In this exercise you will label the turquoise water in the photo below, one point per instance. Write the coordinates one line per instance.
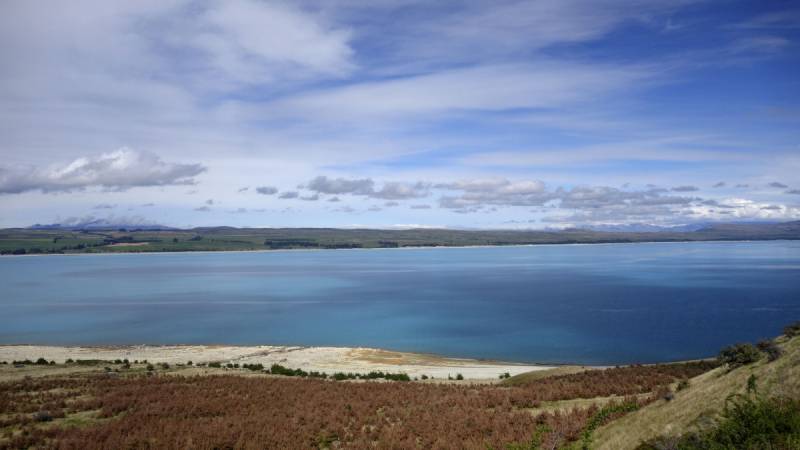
(591, 304)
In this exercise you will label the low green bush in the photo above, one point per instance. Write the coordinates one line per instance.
(771, 349)
(792, 330)
(746, 422)
(740, 355)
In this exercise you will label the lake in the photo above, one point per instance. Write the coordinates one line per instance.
(585, 304)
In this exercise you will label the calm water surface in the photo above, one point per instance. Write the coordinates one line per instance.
(592, 304)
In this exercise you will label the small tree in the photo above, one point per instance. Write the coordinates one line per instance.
(769, 347)
(740, 355)
(792, 330)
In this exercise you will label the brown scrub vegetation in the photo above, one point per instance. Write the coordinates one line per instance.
(218, 412)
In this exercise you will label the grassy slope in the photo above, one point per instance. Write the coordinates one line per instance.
(539, 374)
(707, 392)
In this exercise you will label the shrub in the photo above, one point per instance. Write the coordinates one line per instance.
(792, 330)
(27, 361)
(683, 384)
(150, 368)
(745, 422)
(189, 363)
(41, 362)
(125, 361)
(505, 375)
(44, 416)
(69, 361)
(88, 362)
(424, 377)
(164, 366)
(740, 355)
(215, 365)
(769, 347)
(229, 365)
(117, 361)
(459, 377)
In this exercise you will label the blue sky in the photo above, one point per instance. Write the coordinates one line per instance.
(506, 114)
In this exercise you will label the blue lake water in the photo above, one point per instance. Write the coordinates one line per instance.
(591, 304)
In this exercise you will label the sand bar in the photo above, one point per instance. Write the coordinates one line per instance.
(321, 359)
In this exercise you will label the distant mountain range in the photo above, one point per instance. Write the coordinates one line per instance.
(636, 227)
(103, 224)
(99, 225)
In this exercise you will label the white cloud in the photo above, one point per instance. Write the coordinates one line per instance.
(323, 185)
(119, 170)
(495, 191)
(487, 88)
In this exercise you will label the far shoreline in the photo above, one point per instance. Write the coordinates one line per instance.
(397, 248)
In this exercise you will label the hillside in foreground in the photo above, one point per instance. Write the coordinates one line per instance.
(122, 404)
(705, 396)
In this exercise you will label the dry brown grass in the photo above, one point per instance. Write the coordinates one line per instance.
(706, 393)
(539, 374)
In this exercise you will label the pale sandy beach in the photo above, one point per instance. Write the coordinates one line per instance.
(322, 359)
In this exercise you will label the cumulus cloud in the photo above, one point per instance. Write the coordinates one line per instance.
(148, 204)
(391, 190)
(311, 198)
(401, 191)
(289, 194)
(240, 211)
(476, 184)
(104, 206)
(391, 204)
(203, 209)
(793, 191)
(346, 209)
(495, 191)
(117, 171)
(266, 190)
(324, 185)
(686, 188)
(209, 202)
(741, 186)
(244, 189)
(776, 184)
(719, 185)
(374, 208)
(334, 199)
(420, 206)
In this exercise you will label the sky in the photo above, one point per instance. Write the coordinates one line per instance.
(538, 114)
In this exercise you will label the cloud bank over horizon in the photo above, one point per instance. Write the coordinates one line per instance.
(515, 114)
